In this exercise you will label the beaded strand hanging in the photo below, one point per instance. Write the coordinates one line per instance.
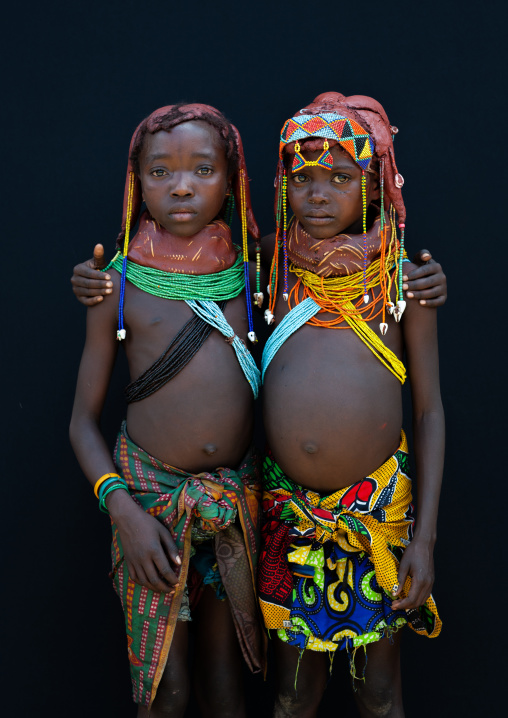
(243, 213)
(121, 333)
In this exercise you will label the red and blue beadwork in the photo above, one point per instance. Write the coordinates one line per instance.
(328, 125)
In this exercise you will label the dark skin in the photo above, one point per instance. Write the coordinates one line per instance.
(428, 284)
(333, 414)
(184, 178)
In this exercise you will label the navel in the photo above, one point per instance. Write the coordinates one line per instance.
(210, 449)
(310, 447)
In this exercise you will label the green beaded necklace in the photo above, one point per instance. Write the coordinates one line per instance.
(172, 285)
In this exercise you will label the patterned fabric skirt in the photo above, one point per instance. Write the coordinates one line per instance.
(214, 520)
(329, 563)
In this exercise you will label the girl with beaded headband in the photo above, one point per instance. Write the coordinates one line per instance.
(360, 126)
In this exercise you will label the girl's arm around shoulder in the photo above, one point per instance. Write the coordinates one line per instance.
(419, 326)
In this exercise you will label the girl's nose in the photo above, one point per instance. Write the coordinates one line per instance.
(182, 186)
(318, 194)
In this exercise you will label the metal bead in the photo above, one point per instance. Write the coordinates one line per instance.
(121, 334)
(366, 298)
(252, 336)
(383, 328)
(258, 299)
(285, 296)
(268, 317)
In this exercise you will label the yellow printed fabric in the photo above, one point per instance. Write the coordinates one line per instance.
(329, 564)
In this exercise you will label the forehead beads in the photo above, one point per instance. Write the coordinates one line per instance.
(325, 159)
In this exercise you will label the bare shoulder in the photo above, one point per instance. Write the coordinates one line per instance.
(417, 319)
(105, 313)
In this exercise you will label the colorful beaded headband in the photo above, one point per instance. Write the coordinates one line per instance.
(329, 125)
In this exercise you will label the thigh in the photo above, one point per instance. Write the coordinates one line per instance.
(218, 660)
(173, 691)
(380, 694)
(301, 680)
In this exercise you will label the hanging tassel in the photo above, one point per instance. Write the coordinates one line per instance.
(121, 332)
(364, 219)
(401, 304)
(243, 213)
(284, 235)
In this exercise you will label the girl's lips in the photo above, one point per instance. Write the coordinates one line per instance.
(182, 215)
(311, 219)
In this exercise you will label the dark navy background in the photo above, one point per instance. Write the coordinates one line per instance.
(78, 77)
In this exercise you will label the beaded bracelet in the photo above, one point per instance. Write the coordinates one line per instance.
(101, 481)
(109, 490)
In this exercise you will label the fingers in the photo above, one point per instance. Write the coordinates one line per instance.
(418, 594)
(437, 302)
(148, 574)
(426, 284)
(155, 581)
(89, 301)
(431, 271)
(170, 547)
(98, 255)
(421, 586)
(89, 285)
(422, 256)
(85, 285)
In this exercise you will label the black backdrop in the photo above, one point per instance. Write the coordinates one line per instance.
(79, 77)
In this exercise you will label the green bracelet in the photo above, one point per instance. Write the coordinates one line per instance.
(109, 490)
(109, 482)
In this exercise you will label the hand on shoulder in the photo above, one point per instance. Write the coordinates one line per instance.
(425, 280)
(89, 284)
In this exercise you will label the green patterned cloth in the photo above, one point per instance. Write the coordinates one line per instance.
(209, 502)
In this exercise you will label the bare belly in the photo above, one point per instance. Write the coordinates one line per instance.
(203, 417)
(332, 411)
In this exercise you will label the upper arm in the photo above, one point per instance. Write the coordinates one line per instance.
(419, 326)
(97, 361)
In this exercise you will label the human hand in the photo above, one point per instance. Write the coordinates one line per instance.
(417, 562)
(427, 282)
(88, 283)
(148, 545)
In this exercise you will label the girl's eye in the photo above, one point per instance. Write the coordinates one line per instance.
(158, 173)
(341, 179)
(299, 178)
(205, 171)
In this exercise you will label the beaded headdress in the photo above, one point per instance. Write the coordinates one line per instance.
(240, 197)
(360, 125)
(332, 126)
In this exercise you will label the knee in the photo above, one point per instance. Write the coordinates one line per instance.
(378, 700)
(294, 703)
(220, 698)
(172, 697)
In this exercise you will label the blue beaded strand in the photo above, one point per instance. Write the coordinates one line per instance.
(121, 329)
(211, 313)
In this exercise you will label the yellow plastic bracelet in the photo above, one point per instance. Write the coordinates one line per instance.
(102, 480)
